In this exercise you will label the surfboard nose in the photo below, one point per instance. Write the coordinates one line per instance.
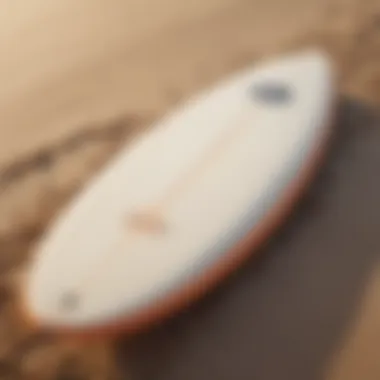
(313, 56)
(315, 61)
(310, 69)
(301, 83)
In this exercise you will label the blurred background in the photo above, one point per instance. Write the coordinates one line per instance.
(80, 77)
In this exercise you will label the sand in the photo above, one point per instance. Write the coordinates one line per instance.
(79, 78)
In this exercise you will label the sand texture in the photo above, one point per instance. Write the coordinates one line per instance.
(80, 78)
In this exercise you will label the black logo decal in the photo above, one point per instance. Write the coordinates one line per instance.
(272, 93)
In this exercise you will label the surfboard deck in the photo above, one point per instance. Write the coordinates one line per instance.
(175, 212)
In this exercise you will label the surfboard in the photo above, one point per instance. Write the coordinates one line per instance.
(183, 205)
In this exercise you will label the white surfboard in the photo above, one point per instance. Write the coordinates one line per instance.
(187, 202)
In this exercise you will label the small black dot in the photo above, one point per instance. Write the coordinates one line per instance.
(274, 93)
(69, 301)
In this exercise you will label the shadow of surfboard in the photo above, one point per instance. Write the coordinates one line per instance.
(284, 314)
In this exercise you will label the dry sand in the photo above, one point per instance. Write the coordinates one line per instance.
(79, 77)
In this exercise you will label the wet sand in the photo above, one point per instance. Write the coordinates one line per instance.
(79, 79)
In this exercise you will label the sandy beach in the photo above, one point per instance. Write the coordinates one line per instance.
(79, 78)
